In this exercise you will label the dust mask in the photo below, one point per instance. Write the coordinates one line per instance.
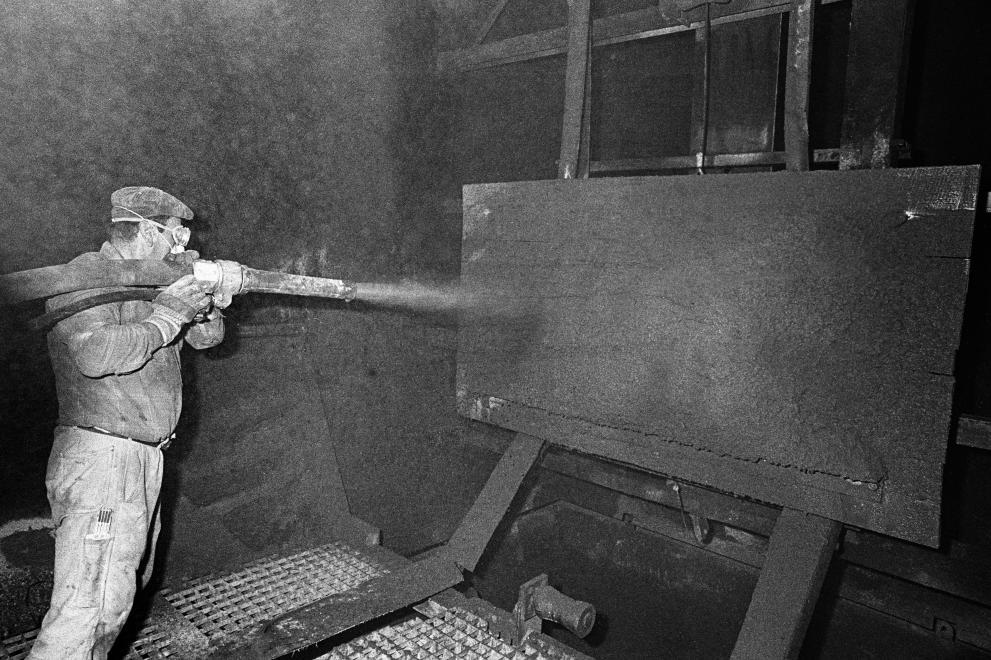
(180, 234)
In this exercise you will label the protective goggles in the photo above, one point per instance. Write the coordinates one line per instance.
(180, 234)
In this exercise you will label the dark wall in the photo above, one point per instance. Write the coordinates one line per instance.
(274, 416)
(308, 137)
(289, 127)
(286, 126)
(946, 122)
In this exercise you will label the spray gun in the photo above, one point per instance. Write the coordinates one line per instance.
(226, 279)
(135, 279)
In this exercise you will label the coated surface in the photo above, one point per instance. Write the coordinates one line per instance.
(789, 337)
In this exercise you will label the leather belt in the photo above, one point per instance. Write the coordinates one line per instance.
(162, 444)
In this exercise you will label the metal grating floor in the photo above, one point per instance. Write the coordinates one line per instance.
(18, 646)
(456, 634)
(469, 629)
(152, 643)
(220, 606)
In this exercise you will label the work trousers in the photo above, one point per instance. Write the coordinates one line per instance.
(104, 496)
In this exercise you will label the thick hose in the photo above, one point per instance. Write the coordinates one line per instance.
(48, 319)
(55, 280)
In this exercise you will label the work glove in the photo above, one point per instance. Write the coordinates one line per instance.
(185, 258)
(177, 305)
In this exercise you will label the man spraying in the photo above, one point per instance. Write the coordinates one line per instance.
(120, 394)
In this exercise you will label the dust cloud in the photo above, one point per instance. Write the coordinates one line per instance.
(442, 298)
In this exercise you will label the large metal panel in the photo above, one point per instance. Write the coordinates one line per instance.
(788, 337)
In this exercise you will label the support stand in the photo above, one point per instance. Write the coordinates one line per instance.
(801, 547)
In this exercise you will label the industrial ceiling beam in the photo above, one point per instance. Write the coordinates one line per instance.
(667, 18)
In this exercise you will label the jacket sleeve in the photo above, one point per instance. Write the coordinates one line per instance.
(206, 334)
(100, 345)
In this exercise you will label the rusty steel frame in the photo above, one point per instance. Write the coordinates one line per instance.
(664, 19)
(799, 73)
(877, 59)
(583, 33)
(576, 86)
(468, 542)
(781, 607)
(751, 159)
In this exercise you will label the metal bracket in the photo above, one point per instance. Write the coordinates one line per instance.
(524, 615)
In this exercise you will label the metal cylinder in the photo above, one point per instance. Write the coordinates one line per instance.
(267, 281)
(575, 615)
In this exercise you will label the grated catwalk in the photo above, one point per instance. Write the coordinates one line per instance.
(219, 607)
(454, 634)
(223, 606)
(152, 643)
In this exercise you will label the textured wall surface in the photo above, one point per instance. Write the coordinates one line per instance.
(307, 136)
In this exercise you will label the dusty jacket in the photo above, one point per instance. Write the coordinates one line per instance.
(111, 369)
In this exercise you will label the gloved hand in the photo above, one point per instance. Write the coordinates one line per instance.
(177, 305)
(185, 258)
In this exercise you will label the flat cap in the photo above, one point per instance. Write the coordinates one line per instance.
(147, 201)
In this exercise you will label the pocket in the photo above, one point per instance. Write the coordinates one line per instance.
(92, 576)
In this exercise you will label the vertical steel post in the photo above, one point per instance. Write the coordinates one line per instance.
(800, 23)
(575, 84)
(875, 81)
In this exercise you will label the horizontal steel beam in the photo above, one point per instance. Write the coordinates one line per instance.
(727, 509)
(974, 432)
(666, 18)
(751, 159)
